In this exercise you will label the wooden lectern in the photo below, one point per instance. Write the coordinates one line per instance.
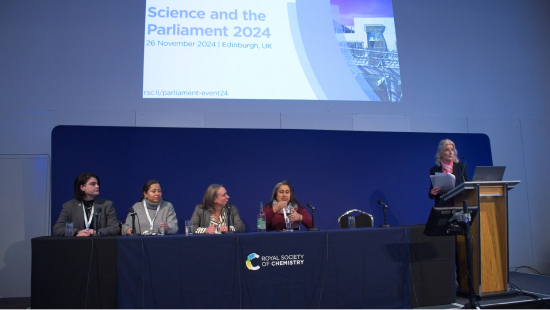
(489, 235)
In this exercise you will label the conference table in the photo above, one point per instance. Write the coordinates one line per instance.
(348, 268)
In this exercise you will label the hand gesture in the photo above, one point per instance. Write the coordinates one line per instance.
(279, 206)
(295, 217)
(210, 230)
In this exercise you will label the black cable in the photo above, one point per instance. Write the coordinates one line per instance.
(396, 217)
(143, 272)
(529, 268)
(239, 269)
(411, 271)
(89, 271)
(537, 298)
(326, 270)
(319, 219)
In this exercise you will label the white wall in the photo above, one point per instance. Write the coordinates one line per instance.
(461, 73)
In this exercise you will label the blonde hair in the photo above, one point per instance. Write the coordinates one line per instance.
(442, 144)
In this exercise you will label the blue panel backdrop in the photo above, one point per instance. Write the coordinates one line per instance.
(333, 170)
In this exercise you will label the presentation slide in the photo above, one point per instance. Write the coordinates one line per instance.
(271, 49)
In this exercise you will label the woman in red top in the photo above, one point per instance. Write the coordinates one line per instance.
(283, 199)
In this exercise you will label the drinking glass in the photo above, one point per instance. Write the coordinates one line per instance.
(69, 229)
(188, 228)
(351, 221)
(289, 224)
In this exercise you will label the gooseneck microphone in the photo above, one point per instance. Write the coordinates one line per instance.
(312, 228)
(380, 202)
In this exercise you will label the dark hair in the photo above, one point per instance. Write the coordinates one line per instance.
(209, 197)
(146, 188)
(293, 199)
(82, 179)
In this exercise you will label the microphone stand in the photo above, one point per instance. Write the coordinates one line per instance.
(228, 213)
(312, 228)
(384, 207)
(98, 218)
(471, 293)
(133, 215)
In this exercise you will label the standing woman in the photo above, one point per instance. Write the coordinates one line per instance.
(210, 217)
(283, 198)
(82, 209)
(152, 212)
(446, 161)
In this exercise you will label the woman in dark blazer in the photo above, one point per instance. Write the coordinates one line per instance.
(210, 217)
(446, 161)
(82, 209)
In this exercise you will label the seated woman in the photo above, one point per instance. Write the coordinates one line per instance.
(283, 198)
(80, 210)
(446, 161)
(210, 217)
(152, 212)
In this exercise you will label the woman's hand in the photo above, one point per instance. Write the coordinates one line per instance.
(129, 231)
(296, 217)
(223, 228)
(435, 190)
(165, 225)
(279, 206)
(210, 230)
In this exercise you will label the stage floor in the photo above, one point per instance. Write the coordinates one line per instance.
(528, 291)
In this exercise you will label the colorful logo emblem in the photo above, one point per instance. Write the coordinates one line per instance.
(249, 261)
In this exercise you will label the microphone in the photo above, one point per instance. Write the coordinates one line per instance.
(384, 211)
(133, 214)
(382, 203)
(312, 228)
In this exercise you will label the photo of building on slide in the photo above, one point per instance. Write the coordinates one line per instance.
(365, 31)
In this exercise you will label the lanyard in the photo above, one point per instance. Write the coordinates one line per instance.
(86, 221)
(149, 217)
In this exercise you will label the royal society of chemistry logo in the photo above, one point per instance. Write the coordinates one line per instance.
(249, 261)
(274, 260)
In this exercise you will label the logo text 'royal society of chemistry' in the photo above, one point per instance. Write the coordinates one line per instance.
(274, 260)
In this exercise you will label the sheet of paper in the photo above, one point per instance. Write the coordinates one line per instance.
(445, 181)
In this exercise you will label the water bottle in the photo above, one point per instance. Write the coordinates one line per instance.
(261, 218)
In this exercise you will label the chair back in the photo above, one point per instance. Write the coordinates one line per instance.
(362, 220)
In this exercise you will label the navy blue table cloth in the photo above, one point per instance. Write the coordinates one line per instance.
(351, 268)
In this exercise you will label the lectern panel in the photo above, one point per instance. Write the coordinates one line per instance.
(493, 244)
